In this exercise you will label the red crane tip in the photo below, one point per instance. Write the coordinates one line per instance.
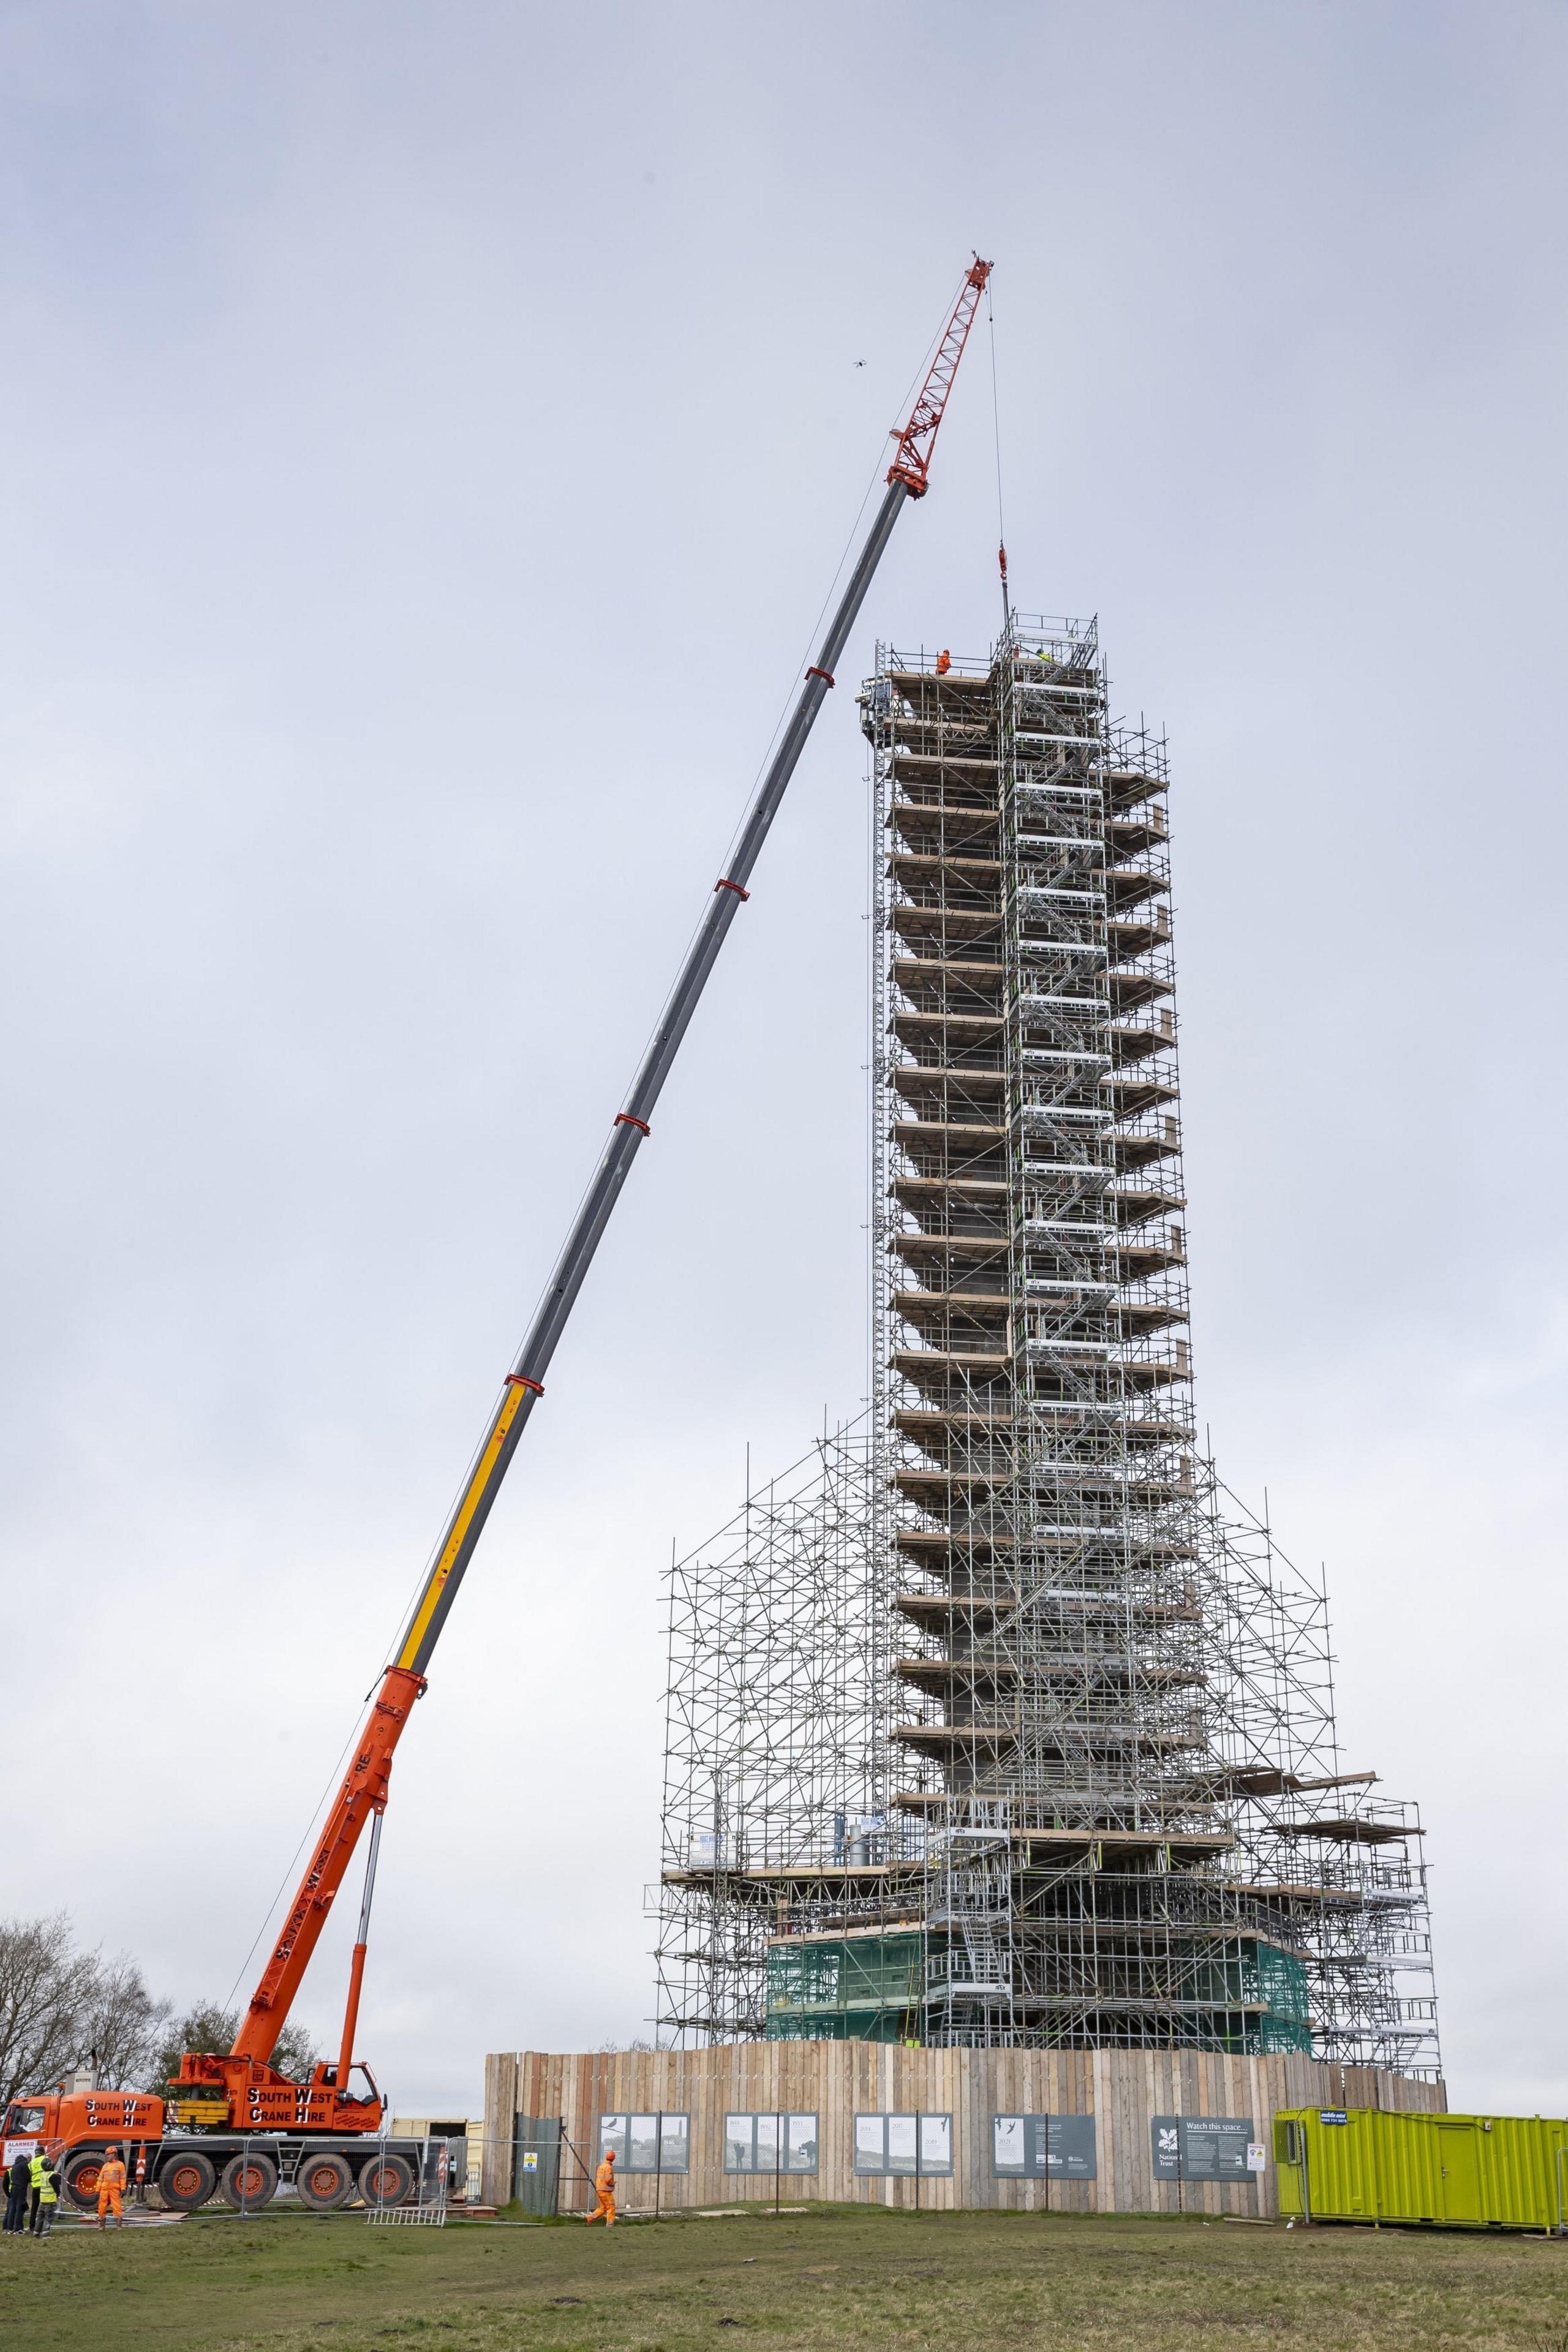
(913, 461)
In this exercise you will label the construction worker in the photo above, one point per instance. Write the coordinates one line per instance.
(111, 2188)
(604, 2182)
(944, 663)
(45, 2186)
(19, 2181)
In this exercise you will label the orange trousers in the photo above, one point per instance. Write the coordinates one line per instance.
(108, 2202)
(605, 2210)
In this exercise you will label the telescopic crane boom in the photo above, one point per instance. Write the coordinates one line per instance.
(245, 2073)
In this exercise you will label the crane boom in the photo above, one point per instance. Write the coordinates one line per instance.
(918, 439)
(363, 1791)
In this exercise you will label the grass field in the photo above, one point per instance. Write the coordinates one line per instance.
(836, 2276)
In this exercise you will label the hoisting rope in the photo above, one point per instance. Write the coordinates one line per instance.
(997, 437)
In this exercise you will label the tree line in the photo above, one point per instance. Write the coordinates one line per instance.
(64, 2006)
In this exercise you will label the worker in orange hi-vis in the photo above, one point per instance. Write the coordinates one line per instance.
(111, 2188)
(604, 2182)
(944, 663)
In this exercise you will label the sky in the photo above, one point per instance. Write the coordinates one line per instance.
(428, 433)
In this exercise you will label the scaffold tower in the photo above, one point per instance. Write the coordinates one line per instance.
(999, 1721)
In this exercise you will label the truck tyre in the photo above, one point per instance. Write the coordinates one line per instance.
(323, 2181)
(80, 2178)
(249, 2182)
(386, 2180)
(187, 2181)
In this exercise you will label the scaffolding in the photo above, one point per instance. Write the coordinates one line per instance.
(775, 1754)
(1311, 1837)
(999, 1721)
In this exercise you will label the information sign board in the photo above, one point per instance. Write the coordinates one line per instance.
(1042, 2147)
(1071, 2148)
(1201, 2147)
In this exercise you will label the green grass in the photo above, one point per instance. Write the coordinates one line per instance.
(835, 2276)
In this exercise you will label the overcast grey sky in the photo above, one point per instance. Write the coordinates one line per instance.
(428, 432)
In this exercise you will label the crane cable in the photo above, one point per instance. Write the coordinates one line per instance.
(321, 1802)
(996, 435)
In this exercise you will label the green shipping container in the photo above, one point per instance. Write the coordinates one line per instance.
(1472, 2172)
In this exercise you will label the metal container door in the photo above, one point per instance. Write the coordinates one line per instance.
(1459, 2183)
(536, 2167)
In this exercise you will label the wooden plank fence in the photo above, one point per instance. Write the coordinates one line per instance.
(1123, 2090)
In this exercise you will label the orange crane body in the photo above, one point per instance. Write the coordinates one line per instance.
(316, 2130)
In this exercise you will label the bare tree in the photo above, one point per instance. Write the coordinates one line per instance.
(296, 2053)
(124, 2026)
(61, 2007)
(46, 1987)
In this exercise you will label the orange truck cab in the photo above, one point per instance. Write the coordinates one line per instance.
(244, 2166)
(61, 2118)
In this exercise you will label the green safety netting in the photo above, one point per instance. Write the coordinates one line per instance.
(859, 1988)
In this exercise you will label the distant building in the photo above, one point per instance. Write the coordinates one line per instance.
(464, 2138)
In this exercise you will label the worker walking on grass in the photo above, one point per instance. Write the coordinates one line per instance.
(604, 2182)
(19, 2181)
(46, 2183)
(111, 2188)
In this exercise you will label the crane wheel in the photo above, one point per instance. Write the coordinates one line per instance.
(249, 2182)
(187, 2181)
(80, 2178)
(323, 2181)
(387, 2179)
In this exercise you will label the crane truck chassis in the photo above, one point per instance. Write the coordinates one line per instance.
(325, 2171)
(255, 2126)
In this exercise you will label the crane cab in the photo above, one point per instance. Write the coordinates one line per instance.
(57, 2119)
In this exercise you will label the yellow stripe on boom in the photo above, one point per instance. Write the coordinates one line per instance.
(506, 1414)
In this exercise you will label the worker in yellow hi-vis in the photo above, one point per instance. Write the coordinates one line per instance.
(604, 2182)
(46, 2184)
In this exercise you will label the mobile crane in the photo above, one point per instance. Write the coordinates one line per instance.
(239, 2125)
